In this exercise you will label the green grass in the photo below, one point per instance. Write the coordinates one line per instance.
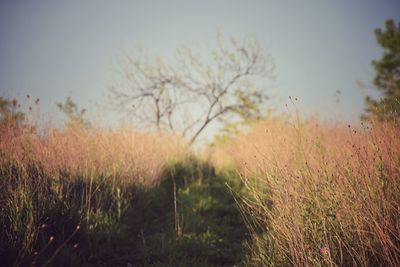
(188, 218)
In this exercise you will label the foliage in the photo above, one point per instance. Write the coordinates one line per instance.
(387, 78)
(189, 218)
(232, 129)
(44, 226)
(185, 97)
(74, 114)
(10, 116)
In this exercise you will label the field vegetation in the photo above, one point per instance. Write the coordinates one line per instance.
(270, 191)
(287, 191)
(112, 197)
(319, 194)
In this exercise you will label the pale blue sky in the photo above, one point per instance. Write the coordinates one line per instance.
(52, 49)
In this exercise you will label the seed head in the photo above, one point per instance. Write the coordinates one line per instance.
(324, 250)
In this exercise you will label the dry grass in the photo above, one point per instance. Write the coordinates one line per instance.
(320, 194)
(54, 181)
(122, 152)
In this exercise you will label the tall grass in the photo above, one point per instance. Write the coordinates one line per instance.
(316, 195)
(122, 152)
(55, 184)
(320, 195)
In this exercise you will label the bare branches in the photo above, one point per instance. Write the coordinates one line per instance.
(187, 95)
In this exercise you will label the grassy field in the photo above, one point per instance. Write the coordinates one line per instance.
(320, 195)
(285, 193)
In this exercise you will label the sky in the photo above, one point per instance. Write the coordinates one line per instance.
(54, 49)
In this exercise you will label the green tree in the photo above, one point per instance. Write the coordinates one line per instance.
(10, 116)
(74, 114)
(387, 78)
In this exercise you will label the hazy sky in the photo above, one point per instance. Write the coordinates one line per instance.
(52, 49)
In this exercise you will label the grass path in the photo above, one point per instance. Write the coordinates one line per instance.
(189, 219)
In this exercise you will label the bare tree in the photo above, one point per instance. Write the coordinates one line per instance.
(184, 97)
